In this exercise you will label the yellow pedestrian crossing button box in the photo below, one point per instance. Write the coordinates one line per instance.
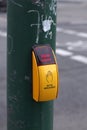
(45, 73)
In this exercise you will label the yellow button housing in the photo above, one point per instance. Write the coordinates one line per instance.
(45, 76)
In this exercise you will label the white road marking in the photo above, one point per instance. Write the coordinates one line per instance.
(82, 34)
(3, 34)
(79, 58)
(76, 45)
(63, 52)
(72, 32)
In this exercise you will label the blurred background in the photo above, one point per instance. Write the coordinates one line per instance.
(70, 109)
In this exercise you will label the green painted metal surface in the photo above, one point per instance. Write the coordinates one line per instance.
(29, 22)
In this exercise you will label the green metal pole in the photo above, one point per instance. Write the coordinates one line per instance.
(30, 22)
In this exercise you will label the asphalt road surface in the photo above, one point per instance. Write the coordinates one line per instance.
(70, 109)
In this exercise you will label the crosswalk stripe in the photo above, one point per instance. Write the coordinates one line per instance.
(79, 58)
(72, 32)
(3, 34)
(63, 52)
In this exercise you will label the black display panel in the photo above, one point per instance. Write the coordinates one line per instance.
(44, 55)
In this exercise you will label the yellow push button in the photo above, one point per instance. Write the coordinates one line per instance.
(45, 73)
